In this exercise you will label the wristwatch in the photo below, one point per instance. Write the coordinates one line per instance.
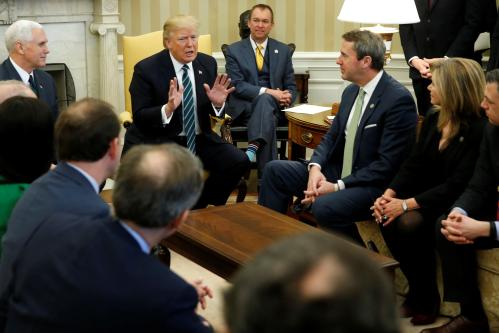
(404, 206)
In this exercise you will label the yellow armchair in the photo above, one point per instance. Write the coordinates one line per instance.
(136, 48)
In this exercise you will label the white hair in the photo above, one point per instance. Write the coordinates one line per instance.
(11, 88)
(21, 30)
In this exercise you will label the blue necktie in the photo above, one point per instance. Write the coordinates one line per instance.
(188, 108)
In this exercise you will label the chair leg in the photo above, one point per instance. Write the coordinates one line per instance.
(242, 189)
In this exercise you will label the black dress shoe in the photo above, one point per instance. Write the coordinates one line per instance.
(460, 324)
(426, 314)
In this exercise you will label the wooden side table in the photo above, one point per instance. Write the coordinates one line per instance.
(305, 131)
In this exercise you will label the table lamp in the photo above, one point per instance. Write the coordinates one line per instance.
(380, 12)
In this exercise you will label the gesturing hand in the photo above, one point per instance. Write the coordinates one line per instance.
(202, 291)
(220, 90)
(174, 96)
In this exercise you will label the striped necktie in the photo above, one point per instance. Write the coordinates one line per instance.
(259, 57)
(351, 133)
(188, 109)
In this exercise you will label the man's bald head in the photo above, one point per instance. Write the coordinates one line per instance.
(11, 88)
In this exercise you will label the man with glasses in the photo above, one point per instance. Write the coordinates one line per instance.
(173, 94)
(262, 73)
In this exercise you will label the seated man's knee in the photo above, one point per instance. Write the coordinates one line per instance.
(272, 168)
(323, 211)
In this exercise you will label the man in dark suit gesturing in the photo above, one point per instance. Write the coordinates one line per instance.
(96, 274)
(262, 73)
(27, 45)
(362, 150)
(173, 94)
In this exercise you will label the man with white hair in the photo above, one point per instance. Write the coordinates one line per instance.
(26, 43)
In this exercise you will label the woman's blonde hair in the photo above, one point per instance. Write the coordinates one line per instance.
(461, 84)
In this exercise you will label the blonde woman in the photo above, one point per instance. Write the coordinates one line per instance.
(431, 179)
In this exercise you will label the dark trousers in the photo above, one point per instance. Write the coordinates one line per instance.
(422, 95)
(335, 211)
(410, 239)
(225, 165)
(261, 119)
(459, 270)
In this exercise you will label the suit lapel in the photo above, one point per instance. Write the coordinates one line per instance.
(273, 59)
(248, 55)
(200, 77)
(373, 101)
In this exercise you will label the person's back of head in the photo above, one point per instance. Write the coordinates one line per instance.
(11, 88)
(26, 133)
(244, 30)
(85, 131)
(155, 184)
(311, 283)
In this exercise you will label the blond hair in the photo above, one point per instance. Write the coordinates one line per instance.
(179, 22)
(460, 83)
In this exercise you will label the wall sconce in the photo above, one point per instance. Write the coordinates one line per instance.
(380, 12)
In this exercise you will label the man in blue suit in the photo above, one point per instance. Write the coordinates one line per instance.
(86, 274)
(86, 140)
(362, 150)
(27, 45)
(262, 73)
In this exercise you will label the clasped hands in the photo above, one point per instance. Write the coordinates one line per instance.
(216, 94)
(462, 229)
(387, 208)
(283, 97)
(317, 186)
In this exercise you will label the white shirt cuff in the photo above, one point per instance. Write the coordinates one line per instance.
(166, 120)
(341, 185)
(262, 91)
(218, 112)
(310, 165)
(459, 210)
(411, 59)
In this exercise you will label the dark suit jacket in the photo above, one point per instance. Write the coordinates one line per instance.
(435, 179)
(384, 134)
(448, 28)
(480, 198)
(79, 274)
(149, 92)
(241, 68)
(46, 85)
(63, 189)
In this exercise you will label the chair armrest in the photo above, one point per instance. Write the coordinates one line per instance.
(125, 119)
(224, 124)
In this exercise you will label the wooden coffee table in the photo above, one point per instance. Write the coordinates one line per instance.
(221, 239)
